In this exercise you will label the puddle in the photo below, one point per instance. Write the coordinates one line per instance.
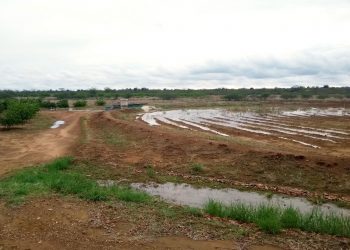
(184, 194)
(317, 112)
(267, 124)
(56, 124)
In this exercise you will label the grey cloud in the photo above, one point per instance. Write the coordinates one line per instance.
(316, 67)
(309, 64)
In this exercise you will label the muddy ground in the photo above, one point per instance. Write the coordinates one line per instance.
(127, 147)
(112, 145)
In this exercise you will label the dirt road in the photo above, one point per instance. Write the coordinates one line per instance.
(23, 147)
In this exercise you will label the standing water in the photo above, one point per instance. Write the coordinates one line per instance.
(184, 194)
(57, 124)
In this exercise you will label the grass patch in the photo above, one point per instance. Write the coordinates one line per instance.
(194, 211)
(272, 219)
(168, 212)
(150, 171)
(40, 121)
(59, 177)
(197, 167)
(115, 139)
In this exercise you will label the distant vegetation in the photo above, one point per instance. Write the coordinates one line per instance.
(168, 94)
(79, 104)
(17, 112)
(63, 103)
(100, 102)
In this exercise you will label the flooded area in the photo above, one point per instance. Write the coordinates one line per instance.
(276, 124)
(57, 124)
(184, 194)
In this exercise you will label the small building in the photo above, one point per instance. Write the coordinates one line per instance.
(124, 103)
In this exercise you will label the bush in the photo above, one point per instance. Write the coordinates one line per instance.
(264, 96)
(234, 97)
(18, 112)
(62, 103)
(167, 96)
(47, 104)
(306, 95)
(322, 96)
(100, 102)
(79, 103)
(288, 96)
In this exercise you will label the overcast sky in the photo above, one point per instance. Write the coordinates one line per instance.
(173, 43)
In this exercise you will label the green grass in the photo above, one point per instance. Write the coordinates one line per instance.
(194, 211)
(59, 177)
(273, 219)
(150, 171)
(197, 167)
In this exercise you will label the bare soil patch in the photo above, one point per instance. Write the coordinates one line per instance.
(33, 144)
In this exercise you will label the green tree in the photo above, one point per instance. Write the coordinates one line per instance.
(62, 103)
(100, 102)
(79, 103)
(18, 112)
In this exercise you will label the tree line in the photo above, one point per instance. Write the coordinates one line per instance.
(168, 94)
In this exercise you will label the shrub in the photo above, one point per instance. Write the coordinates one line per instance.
(264, 96)
(18, 112)
(79, 103)
(47, 104)
(234, 97)
(306, 95)
(322, 96)
(167, 96)
(288, 96)
(62, 103)
(100, 102)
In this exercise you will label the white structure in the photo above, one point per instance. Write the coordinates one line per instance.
(124, 103)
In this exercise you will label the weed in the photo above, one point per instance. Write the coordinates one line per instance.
(273, 219)
(290, 218)
(194, 211)
(197, 167)
(268, 219)
(150, 171)
(269, 195)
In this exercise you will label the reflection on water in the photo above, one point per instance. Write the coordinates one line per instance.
(277, 124)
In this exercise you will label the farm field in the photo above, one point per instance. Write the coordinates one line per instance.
(274, 149)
